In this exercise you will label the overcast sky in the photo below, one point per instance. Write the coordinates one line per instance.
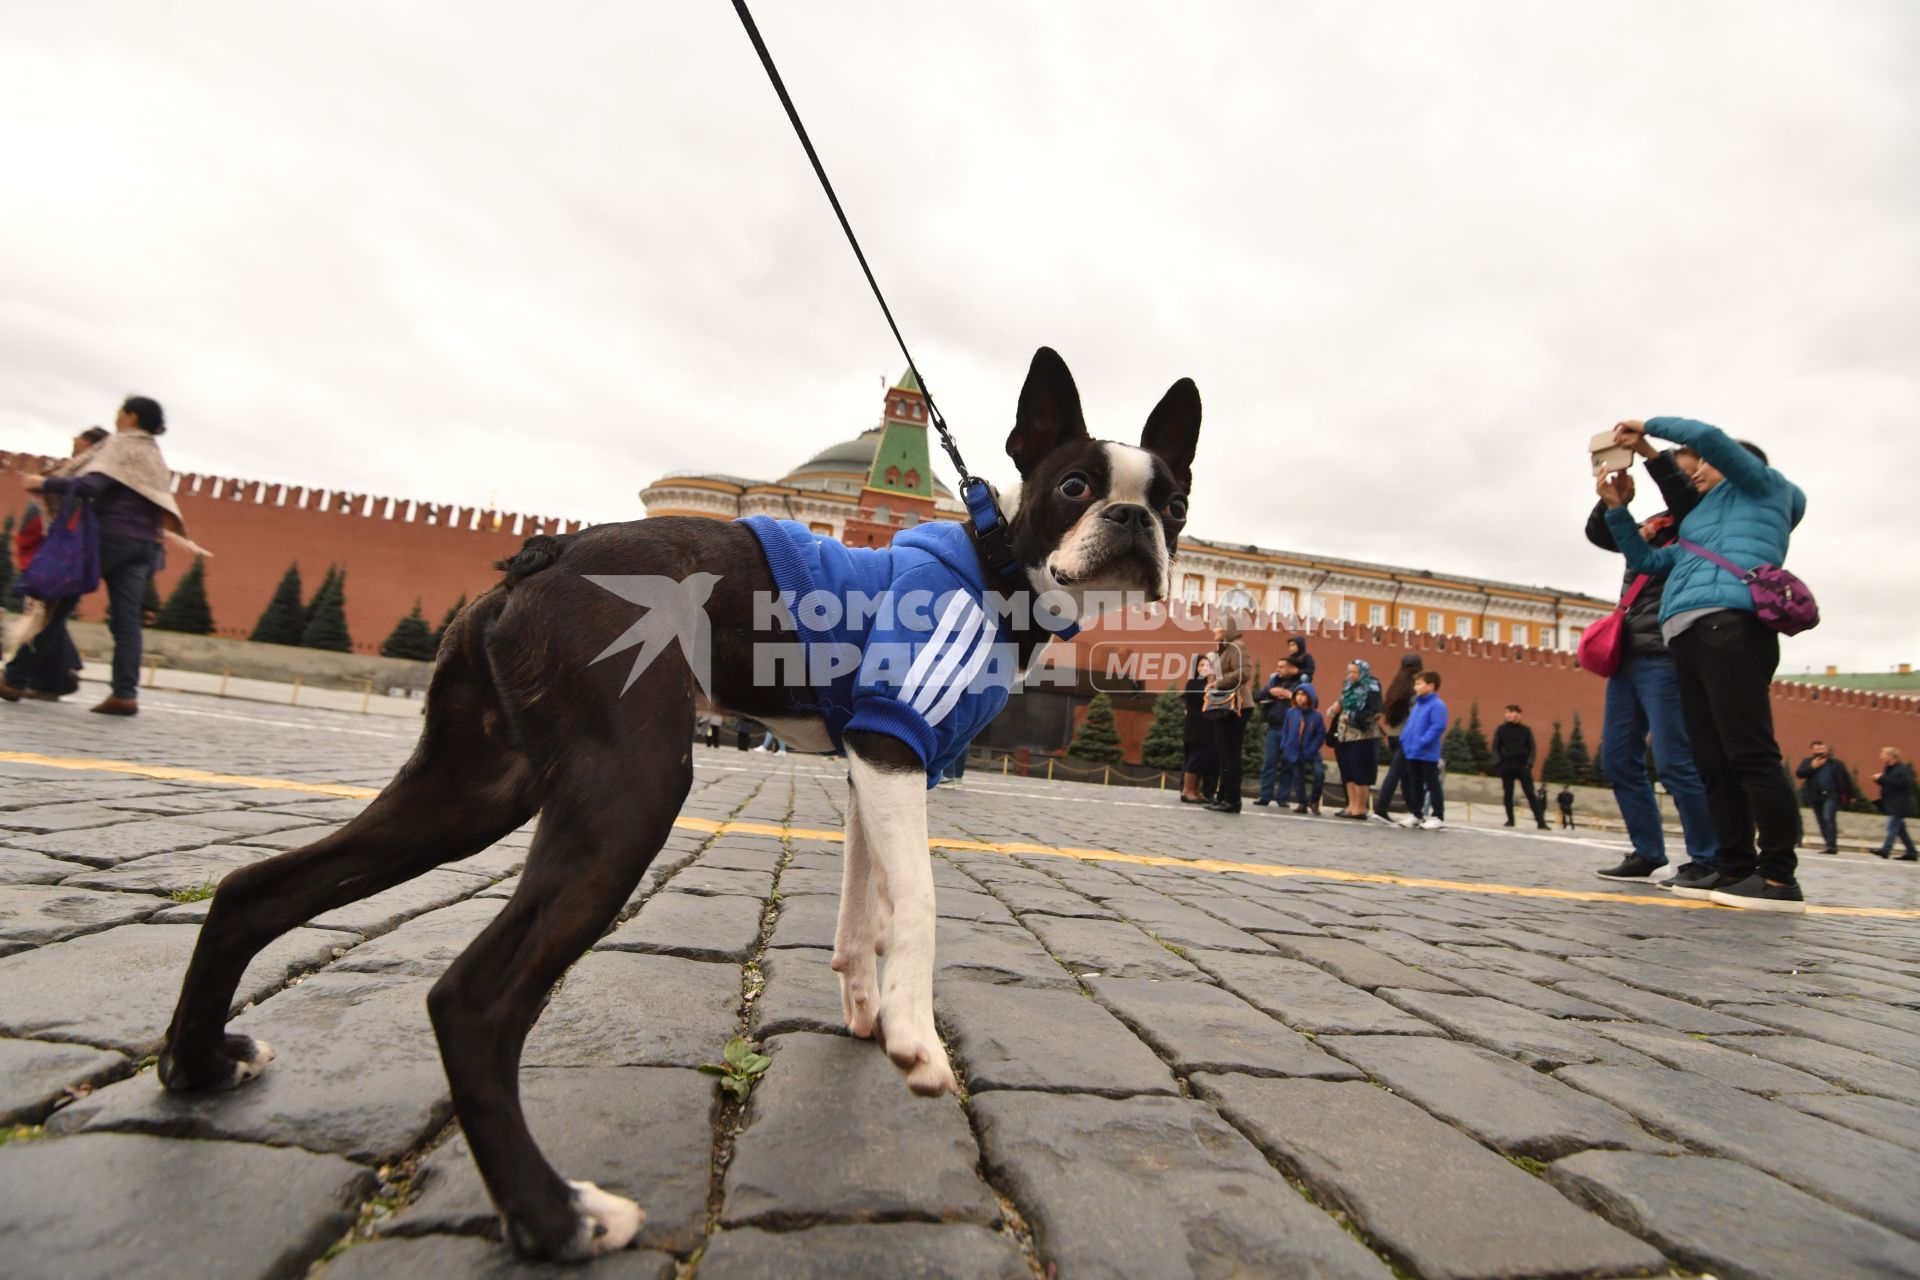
(1413, 254)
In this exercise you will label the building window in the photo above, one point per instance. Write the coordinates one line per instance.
(1349, 611)
(1376, 615)
(1519, 633)
(1406, 620)
(1436, 623)
(1318, 607)
(1239, 599)
(893, 475)
(1190, 590)
(913, 479)
(821, 526)
(1289, 604)
(1493, 631)
(1463, 627)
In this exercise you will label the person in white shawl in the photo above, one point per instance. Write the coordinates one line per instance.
(131, 488)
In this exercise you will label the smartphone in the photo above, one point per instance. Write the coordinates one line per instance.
(1608, 456)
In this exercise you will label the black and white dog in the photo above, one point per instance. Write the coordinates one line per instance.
(521, 718)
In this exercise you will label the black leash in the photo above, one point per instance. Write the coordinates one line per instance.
(988, 525)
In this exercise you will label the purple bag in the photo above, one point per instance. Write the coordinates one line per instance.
(68, 562)
(1781, 601)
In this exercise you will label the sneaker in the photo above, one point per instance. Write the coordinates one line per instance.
(1881, 853)
(1755, 894)
(1696, 881)
(1377, 816)
(1433, 824)
(1262, 802)
(1665, 875)
(1409, 822)
(1634, 868)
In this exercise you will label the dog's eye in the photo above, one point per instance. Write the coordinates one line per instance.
(1076, 487)
(1176, 508)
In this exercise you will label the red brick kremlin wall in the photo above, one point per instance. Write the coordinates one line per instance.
(1546, 684)
(394, 550)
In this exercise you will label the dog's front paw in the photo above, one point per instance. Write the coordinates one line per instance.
(239, 1059)
(859, 991)
(916, 1049)
(608, 1222)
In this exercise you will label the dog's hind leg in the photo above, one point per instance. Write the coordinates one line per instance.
(597, 835)
(892, 814)
(863, 921)
(463, 789)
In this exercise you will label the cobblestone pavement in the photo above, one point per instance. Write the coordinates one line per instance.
(1191, 1045)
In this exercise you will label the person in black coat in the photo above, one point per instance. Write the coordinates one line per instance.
(1202, 768)
(1827, 788)
(1896, 800)
(1513, 754)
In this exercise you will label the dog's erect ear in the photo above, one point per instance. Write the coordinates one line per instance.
(1173, 428)
(1049, 413)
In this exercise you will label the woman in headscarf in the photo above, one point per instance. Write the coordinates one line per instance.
(1356, 734)
(130, 487)
(1202, 765)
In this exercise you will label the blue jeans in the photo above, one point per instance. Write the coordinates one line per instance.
(1897, 830)
(1826, 812)
(1310, 779)
(1276, 775)
(125, 566)
(1644, 699)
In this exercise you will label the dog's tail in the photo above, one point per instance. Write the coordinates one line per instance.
(535, 555)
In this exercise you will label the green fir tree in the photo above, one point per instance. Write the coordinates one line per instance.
(1456, 751)
(187, 609)
(1097, 739)
(411, 638)
(1166, 746)
(1253, 747)
(320, 594)
(1579, 759)
(284, 620)
(441, 633)
(327, 629)
(1477, 743)
(1556, 768)
(1597, 770)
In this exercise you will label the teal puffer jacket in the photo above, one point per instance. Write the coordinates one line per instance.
(1748, 518)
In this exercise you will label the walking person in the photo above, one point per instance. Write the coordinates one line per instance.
(1420, 741)
(1275, 701)
(1828, 788)
(43, 644)
(1202, 766)
(130, 487)
(1393, 715)
(1643, 702)
(1724, 655)
(1514, 750)
(1229, 704)
(1306, 734)
(1896, 801)
(1356, 735)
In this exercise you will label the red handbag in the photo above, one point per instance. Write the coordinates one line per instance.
(1603, 644)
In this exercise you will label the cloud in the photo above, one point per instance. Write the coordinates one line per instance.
(1414, 255)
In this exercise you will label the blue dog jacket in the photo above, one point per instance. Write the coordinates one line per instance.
(899, 640)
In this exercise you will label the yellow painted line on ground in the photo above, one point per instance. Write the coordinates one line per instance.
(170, 773)
(713, 826)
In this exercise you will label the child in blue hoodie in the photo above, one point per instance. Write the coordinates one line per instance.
(1303, 733)
(1420, 745)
